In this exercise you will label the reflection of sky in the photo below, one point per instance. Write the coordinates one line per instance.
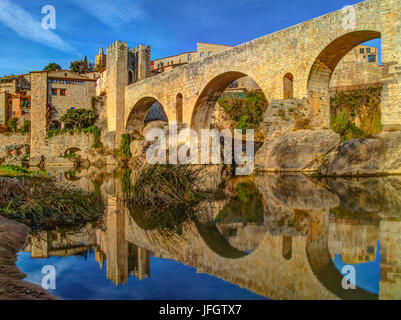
(80, 278)
(367, 274)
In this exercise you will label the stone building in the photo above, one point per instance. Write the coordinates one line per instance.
(358, 69)
(14, 97)
(68, 90)
(203, 50)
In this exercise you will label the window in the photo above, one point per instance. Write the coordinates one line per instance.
(54, 92)
(202, 54)
(210, 53)
(367, 50)
(63, 92)
(190, 57)
(362, 50)
(371, 58)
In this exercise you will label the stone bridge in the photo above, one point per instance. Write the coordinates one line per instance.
(305, 54)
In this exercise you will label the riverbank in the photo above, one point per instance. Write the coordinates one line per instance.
(13, 237)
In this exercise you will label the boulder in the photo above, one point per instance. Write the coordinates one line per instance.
(358, 157)
(392, 151)
(297, 151)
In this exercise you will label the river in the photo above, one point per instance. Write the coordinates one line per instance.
(270, 237)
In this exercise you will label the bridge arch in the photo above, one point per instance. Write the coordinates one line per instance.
(323, 67)
(136, 118)
(204, 106)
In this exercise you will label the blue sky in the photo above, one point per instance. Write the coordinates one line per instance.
(170, 27)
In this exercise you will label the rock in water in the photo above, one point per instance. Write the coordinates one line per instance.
(303, 150)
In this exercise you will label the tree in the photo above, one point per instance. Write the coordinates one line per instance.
(52, 67)
(79, 118)
(81, 66)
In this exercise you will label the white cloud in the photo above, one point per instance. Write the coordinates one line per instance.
(114, 13)
(23, 23)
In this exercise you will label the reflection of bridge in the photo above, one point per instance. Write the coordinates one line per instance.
(305, 54)
(294, 257)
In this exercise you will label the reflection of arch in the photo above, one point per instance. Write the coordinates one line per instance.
(71, 151)
(204, 106)
(323, 68)
(216, 242)
(288, 86)
(71, 176)
(136, 118)
(287, 247)
(323, 267)
(178, 105)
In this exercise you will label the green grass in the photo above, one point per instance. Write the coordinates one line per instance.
(9, 170)
(165, 186)
(43, 204)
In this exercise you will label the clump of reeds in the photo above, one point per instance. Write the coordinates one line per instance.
(45, 204)
(166, 186)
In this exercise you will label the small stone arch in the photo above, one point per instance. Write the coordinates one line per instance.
(137, 116)
(179, 107)
(288, 86)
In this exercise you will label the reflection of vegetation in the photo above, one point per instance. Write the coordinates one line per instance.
(171, 219)
(248, 111)
(71, 175)
(125, 179)
(45, 204)
(166, 186)
(356, 114)
(344, 213)
(246, 206)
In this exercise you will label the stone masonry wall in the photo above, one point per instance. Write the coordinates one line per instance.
(309, 51)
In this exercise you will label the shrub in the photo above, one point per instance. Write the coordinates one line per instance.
(79, 118)
(25, 128)
(44, 204)
(165, 186)
(356, 114)
(125, 151)
(302, 124)
(12, 125)
(248, 111)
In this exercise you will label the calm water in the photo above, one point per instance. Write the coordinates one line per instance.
(269, 237)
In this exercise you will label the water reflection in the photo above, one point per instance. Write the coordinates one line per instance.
(278, 236)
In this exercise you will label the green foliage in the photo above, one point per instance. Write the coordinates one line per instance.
(246, 206)
(15, 169)
(99, 68)
(248, 111)
(81, 66)
(94, 130)
(12, 125)
(10, 170)
(25, 127)
(43, 204)
(362, 107)
(342, 125)
(79, 118)
(52, 67)
(125, 151)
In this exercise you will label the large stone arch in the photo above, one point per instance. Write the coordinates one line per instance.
(136, 118)
(205, 103)
(322, 69)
